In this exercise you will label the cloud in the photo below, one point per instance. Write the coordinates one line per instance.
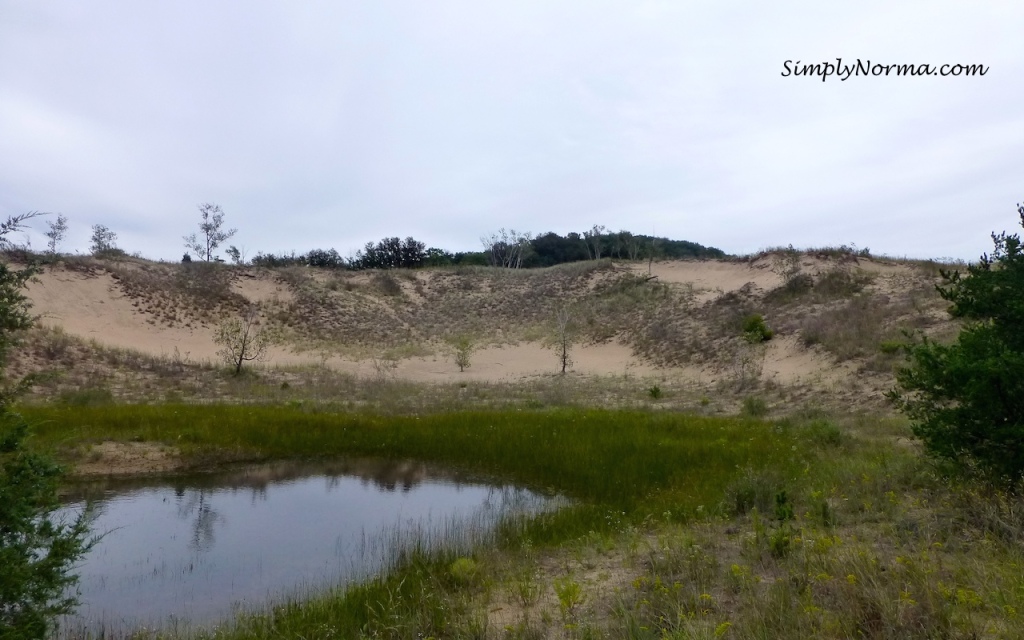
(319, 124)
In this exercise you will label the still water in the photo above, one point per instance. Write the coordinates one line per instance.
(191, 551)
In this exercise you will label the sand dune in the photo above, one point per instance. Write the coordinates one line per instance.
(93, 305)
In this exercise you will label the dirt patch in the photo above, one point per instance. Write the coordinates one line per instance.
(128, 458)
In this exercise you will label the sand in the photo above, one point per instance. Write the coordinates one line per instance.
(92, 306)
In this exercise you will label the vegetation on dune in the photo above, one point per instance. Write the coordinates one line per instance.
(212, 233)
(243, 339)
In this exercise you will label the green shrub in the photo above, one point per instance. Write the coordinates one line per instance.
(796, 287)
(891, 347)
(462, 347)
(654, 392)
(755, 330)
(824, 433)
(38, 552)
(754, 406)
(88, 397)
(965, 398)
(753, 490)
(464, 571)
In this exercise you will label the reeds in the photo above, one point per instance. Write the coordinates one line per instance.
(631, 460)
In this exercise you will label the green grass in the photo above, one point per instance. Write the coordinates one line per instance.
(623, 468)
(803, 527)
(630, 460)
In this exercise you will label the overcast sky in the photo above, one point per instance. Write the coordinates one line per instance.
(330, 124)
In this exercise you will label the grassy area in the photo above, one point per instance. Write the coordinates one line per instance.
(687, 527)
(633, 460)
(624, 468)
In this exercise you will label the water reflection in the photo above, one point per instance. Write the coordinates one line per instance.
(198, 547)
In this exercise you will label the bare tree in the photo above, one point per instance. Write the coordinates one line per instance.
(243, 339)
(58, 230)
(653, 251)
(212, 233)
(507, 247)
(563, 338)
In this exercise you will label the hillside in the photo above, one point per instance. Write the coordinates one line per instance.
(138, 329)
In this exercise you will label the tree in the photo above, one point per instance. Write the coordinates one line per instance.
(593, 238)
(435, 257)
(325, 259)
(58, 230)
(563, 338)
(103, 240)
(212, 234)
(462, 348)
(391, 253)
(243, 339)
(38, 551)
(236, 255)
(507, 247)
(965, 397)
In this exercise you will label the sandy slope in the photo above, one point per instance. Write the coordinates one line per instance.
(93, 306)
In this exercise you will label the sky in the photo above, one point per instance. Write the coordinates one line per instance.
(329, 124)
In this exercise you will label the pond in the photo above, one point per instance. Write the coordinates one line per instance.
(191, 551)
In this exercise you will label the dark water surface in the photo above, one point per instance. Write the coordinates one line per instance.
(190, 551)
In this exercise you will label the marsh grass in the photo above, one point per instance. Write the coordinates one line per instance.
(621, 468)
(815, 527)
(631, 460)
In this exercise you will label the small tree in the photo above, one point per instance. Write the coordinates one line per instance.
(755, 331)
(243, 339)
(966, 398)
(786, 264)
(37, 551)
(563, 338)
(58, 230)
(462, 347)
(103, 240)
(236, 255)
(212, 234)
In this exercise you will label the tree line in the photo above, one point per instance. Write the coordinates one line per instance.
(504, 248)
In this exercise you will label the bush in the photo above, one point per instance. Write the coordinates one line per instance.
(754, 407)
(462, 348)
(841, 283)
(755, 330)
(37, 552)
(965, 398)
(793, 288)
